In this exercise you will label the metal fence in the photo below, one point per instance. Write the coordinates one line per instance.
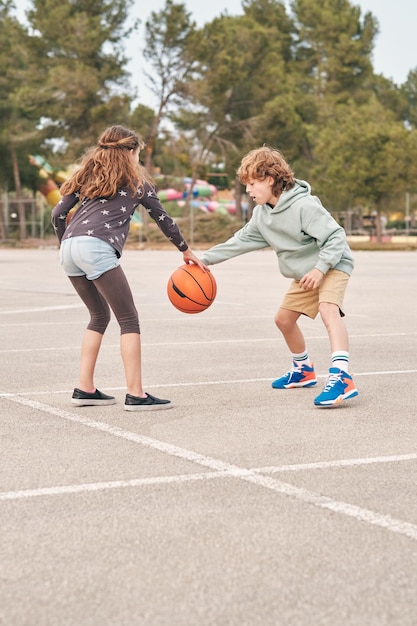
(28, 215)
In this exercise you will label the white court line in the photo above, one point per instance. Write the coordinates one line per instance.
(103, 486)
(196, 383)
(299, 467)
(182, 478)
(39, 309)
(370, 517)
(201, 342)
(143, 318)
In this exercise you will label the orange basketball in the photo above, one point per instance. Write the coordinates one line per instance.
(190, 289)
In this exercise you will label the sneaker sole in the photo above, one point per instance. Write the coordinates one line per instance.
(330, 403)
(147, 407)
(310, 383)
(77, 402)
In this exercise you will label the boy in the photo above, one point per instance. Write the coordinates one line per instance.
(312, 250)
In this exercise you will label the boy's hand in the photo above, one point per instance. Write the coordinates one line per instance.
(311, 280)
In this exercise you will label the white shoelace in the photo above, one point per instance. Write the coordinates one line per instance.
(333, 379)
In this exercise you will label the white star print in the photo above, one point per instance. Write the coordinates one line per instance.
(90, 214)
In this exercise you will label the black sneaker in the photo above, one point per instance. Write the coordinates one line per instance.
(82, 398)
(150, 403)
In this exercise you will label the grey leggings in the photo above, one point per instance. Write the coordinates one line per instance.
(110, 291)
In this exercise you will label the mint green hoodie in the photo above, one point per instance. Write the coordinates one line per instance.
(301, 231)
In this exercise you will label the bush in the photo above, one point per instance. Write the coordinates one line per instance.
(207, 228)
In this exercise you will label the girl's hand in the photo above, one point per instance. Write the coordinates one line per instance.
(190, 257)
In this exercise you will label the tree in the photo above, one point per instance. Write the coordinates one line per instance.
(409, 91)
(167, 34)
(364, 157)
(333, 47)
(81, 77)
(241, 65)
(17, 117)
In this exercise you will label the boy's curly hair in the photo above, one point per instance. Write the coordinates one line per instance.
(108, 166)
(262, 162)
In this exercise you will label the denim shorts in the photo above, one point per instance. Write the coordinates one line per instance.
(87, 256)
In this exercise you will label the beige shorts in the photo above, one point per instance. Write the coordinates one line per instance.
(332, 290)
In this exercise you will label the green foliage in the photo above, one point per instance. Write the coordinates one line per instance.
(333, 47)
(141, 119)
(167, 35)
(363, 156)
(300, 79)
(409, 92)
(18, 115)
(78, 44)
(207, 228)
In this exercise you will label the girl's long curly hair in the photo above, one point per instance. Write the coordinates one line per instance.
(108, 166)
(262, 162)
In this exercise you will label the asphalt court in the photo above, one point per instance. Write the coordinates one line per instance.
(240, 506)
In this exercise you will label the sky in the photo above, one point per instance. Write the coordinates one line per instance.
(395, 51)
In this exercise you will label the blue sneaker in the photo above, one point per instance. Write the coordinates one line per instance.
(339, 387)
(303, 376)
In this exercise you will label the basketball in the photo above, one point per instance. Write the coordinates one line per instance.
(190, 289)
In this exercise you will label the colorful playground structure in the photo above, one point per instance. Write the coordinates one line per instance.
(49, 178)
(204, 196)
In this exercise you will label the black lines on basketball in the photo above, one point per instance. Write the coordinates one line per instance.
(190, 289)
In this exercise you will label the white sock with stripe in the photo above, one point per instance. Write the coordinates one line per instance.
(340, 359)
(300, 359)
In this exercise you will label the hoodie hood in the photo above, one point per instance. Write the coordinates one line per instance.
(300, 191)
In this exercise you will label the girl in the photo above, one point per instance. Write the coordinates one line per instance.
(108, 186)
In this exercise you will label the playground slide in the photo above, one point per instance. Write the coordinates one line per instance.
(49, 177)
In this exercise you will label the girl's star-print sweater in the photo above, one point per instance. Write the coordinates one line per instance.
(109, 218)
